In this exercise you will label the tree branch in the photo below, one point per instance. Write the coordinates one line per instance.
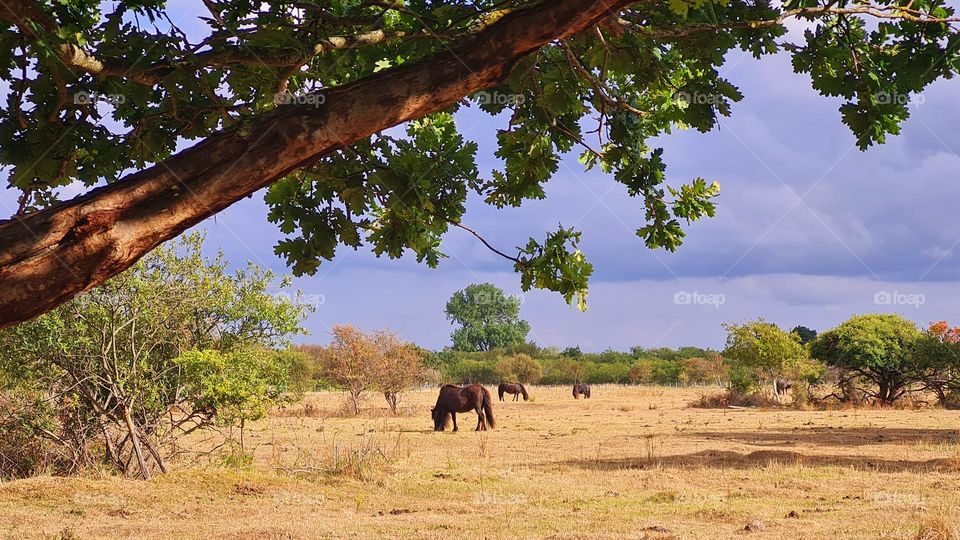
(484, 240)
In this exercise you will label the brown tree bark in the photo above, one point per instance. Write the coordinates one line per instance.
(48, 257)
(134, 432)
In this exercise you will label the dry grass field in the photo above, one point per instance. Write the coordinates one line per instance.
(631, 462)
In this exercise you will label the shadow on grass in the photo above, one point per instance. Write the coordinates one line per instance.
(824, 436)
(724, 459)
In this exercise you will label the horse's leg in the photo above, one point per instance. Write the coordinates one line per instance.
(454, 415)
(480, 417)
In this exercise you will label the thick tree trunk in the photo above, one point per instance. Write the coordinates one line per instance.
(889, 389)
(48, 257)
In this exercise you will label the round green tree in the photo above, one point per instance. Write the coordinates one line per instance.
(488, 319)
(875, 349)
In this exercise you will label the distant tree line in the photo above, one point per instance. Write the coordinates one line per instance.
(490, 346)
(530, 364)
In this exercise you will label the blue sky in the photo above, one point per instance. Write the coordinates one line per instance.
(809, 231)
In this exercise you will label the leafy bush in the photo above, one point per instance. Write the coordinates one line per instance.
(24, 449)
(743, 381)
(237, 386)
(470, 371)
(109, 355)
(640, 372)
(519, 368)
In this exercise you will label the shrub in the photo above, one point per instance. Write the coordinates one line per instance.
(743, 381)
(519, 368)
(474, 371)
(24, 450)
(641, 372)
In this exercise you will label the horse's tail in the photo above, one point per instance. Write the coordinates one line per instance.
(500, 390)
(488, 407)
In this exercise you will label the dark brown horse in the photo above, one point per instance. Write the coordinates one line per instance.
(581, 390)
(454, 399)
(513, 388)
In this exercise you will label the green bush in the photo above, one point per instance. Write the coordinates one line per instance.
(519, 368)
(743, 381)
(24, 449)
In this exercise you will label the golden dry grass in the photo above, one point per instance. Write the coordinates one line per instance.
(629, 463)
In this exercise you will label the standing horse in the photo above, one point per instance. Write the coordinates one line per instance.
(454, 399)
(581, 390)
(515, 389)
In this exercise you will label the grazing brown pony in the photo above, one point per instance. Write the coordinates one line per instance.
(581, 390)
(454, 399)
(513, 388)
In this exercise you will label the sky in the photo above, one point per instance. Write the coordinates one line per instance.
(809, 231)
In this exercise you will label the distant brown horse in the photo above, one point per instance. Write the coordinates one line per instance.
(581, 390)
(454, 399)
(515, 389)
